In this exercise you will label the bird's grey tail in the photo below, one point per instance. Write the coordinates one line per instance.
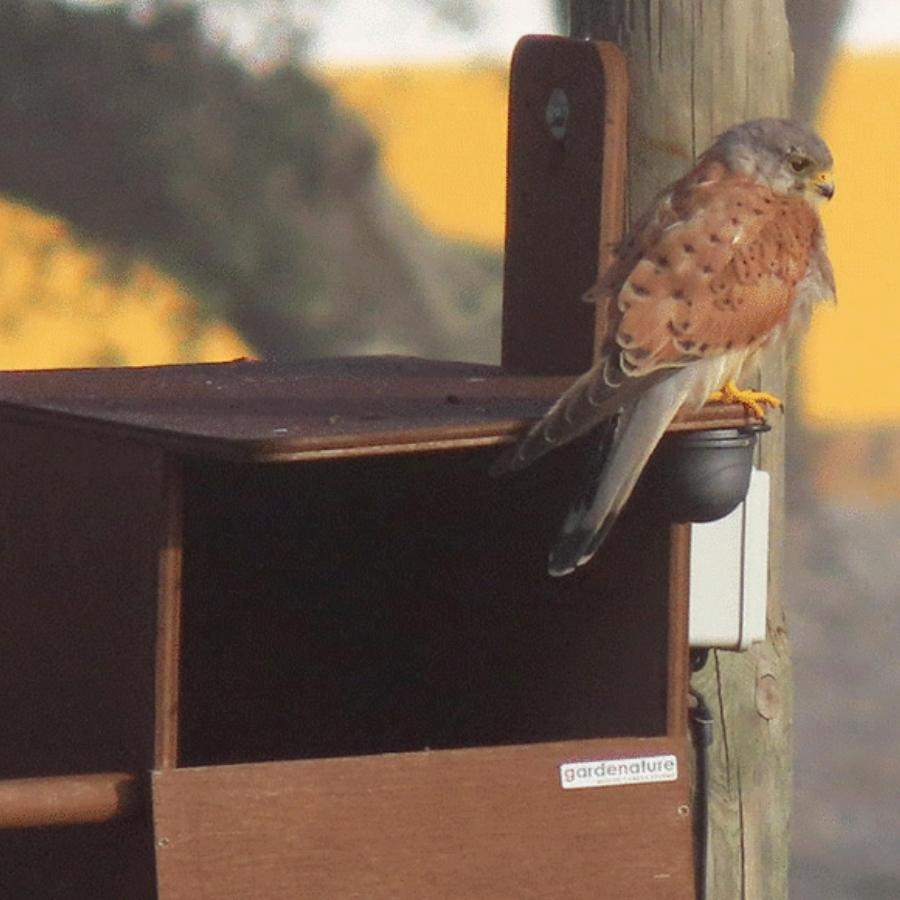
(620, 461)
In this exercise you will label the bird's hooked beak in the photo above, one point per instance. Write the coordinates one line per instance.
(823, 184)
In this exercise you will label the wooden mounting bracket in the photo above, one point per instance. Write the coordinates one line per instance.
(565, 197)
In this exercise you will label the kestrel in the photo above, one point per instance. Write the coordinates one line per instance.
(728, 260)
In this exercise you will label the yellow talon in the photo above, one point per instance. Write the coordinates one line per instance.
(753, 401)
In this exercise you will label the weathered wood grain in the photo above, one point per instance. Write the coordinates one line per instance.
(491, 822)
(696, 68)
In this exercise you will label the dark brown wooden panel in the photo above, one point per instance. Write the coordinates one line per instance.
(467, 824)
(274, 412)
(559, 189)
(79, 526)
(113, 861)
(253, 410)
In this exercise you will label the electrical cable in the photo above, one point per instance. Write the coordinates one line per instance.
(701, 723)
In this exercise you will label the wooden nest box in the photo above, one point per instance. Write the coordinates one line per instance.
(272, 630)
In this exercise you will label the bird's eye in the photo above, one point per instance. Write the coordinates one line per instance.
(799, 163)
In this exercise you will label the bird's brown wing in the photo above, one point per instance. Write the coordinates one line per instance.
(713, 267)
(719, 279)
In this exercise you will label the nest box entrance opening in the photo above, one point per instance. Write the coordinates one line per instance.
(357, 606)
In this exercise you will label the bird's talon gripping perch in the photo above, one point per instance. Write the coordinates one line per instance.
(753, 401)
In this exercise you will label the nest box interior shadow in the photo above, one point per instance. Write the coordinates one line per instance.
(274, 629)
(401, 602)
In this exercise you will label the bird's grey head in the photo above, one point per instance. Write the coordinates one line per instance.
(783, 154)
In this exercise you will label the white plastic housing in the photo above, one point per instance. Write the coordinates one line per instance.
(729, 573)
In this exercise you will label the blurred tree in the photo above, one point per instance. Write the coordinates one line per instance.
(281, 30)
(815, 30)
(253, 189)
(561, 13)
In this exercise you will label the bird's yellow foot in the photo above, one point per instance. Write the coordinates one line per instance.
(753, 401)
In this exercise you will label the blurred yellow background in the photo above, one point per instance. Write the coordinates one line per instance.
(63, 303)
(442, 137)
(450, 168)
(851, 361)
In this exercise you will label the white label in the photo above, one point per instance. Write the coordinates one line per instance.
(609, 772)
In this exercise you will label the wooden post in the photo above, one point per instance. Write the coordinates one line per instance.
(696, 68)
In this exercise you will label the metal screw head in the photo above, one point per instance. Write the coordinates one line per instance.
(556, 114)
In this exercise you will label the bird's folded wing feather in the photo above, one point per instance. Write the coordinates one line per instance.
(712, 269)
